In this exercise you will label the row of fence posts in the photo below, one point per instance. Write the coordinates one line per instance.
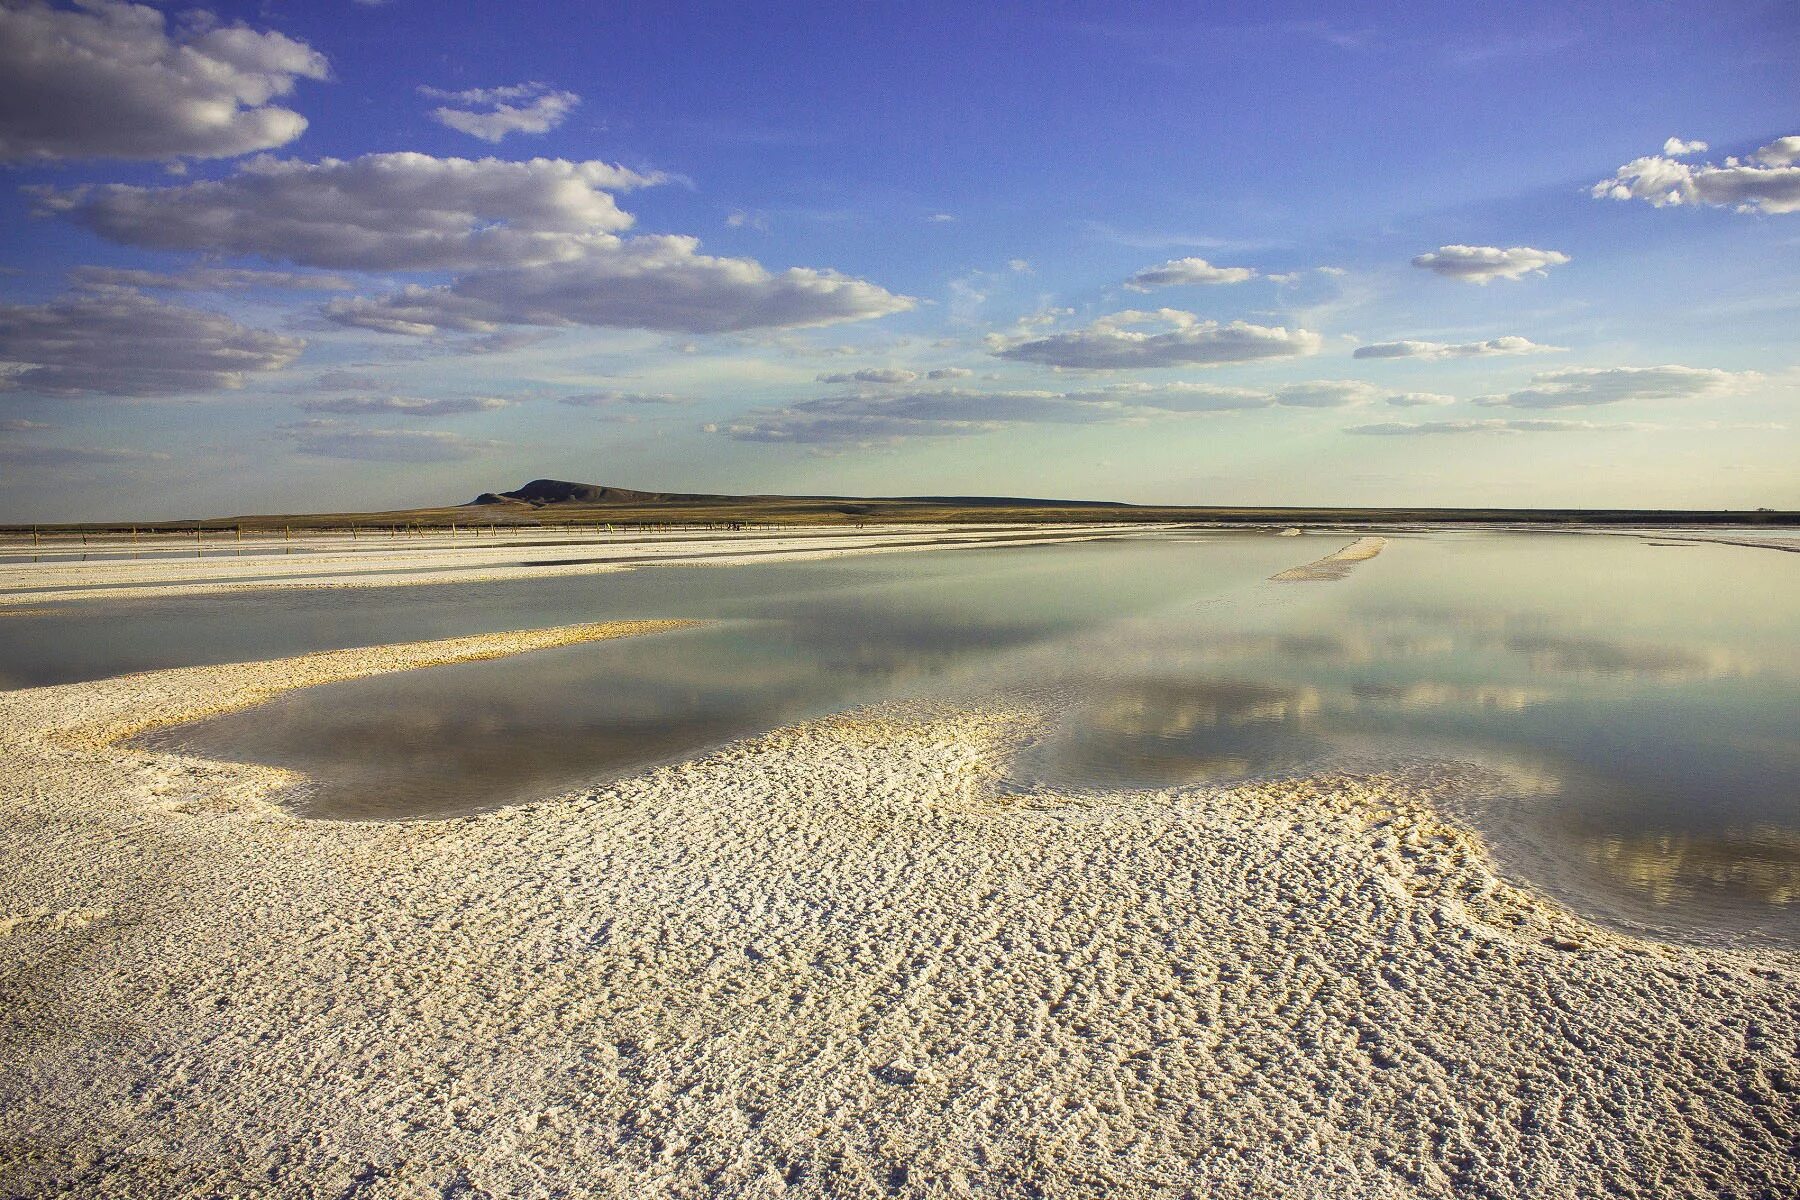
(396, 531)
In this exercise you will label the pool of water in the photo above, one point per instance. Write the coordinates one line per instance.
(1636, 701)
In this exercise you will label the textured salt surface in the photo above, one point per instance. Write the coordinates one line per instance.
(835, 960)
(1336, 565)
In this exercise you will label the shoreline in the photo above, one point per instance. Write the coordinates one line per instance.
(835, 953)
(410, 566)
(29, 586)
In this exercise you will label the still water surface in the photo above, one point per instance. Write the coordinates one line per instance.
(1638, 699)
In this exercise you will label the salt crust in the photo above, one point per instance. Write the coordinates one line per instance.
(833, 960)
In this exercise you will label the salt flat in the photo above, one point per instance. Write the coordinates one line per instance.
(833, 960)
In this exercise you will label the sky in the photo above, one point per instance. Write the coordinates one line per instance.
(338, 255)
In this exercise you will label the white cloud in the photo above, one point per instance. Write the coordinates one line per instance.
(871, 375)
(1580, 387)
(1188, 397)
(1492, 348)
(520, 108)
(1420, 400)
(1412, 428)
(616, 399)
(380, 212)
(940, 218)
(408, 406)
(1181, 272)
(121, 343)
(538, 238)
(21, 425)
(1767, 181)
(325, 437)
(886, 417)
(873, 417)
(949, 373)
(1117, 342)
(1484, 264)
(106, 80)
(1019, 265)
(1676, 148)
(660, 283)
(208, 279)
(1328, 393)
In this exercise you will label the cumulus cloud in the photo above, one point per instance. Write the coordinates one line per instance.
(410, 406)
(1492, 348)
(660, 282)
(492, 113)
(379, 212)
(1420, 400)
(871, 375)
(123, 343)
(326, 437)
(1175, 338)
(1484, 264)
(1181, 272)
(949, 373)
(1427, 428)
(1767, 181)
(110, 80)
(1580, 387)
(209, 279)
(538, 239)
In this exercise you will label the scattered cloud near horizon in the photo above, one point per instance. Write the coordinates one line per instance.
(409, 406)
(1484, 264)
(1491, 348)
(327, 437)
(617, 399)
(31, 454)
(868, 418)
(1180, 272)
(1174, 338)
(1578, 387)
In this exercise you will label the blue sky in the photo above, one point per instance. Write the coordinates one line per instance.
(342, 255)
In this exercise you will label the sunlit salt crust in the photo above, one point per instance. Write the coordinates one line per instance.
(833, 960)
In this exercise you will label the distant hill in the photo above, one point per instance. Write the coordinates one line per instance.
(540, 492)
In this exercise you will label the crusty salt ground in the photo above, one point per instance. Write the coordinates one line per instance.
(834, 960)
(1336, 565)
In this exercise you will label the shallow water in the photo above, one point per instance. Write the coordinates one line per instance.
(1636, 701)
